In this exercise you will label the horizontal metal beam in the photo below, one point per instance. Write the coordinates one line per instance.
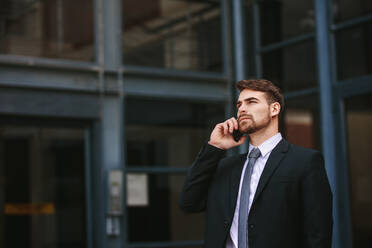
(164, 87)
(300, 93)
(351, 23)
(47, 63)
(70, 65)
(47, 78)
(286, 43)
(138, 82)
(22, 102)
(81, 66)
(166, 244)
(356, 86)
(155, 170)
(172, 73)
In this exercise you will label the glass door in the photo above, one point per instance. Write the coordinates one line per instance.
(42, 187)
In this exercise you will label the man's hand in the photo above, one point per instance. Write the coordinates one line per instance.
(221, 136)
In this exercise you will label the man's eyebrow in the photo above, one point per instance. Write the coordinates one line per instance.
(248, 99)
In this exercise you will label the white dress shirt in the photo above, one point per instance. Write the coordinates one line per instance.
(265, 149)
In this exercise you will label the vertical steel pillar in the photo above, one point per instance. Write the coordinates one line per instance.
(239, 48)
(238, 32)
(341, 238)
(112, 20)
(108, 130)
(112, 106)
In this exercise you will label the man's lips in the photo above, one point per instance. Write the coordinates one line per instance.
(244, 118)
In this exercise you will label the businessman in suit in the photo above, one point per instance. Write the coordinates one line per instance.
(276, 195)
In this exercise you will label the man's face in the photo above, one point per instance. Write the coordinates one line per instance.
(253, 111)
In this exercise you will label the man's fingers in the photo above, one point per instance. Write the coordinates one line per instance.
(225, 128)
(230, 122)
(236, 125)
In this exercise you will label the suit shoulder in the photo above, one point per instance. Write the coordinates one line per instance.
(306, 158)
(304, 152)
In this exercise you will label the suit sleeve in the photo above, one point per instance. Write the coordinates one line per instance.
(317, 205)
(194, 192)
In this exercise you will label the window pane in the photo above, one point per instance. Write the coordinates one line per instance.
(52, 29)
(293, 68)
(348, 9)
(284, 19)
(173, 34)
(168, 133)
(42, 187)
(359, 126)
(158, 217)
(302, 122)
(354, 51)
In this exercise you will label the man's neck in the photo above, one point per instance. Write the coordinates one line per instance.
(257, 138)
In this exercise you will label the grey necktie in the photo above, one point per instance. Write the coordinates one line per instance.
(244, 199)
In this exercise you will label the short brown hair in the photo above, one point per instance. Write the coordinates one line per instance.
(272, 92)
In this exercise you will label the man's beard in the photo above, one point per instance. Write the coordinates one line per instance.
(251, 126)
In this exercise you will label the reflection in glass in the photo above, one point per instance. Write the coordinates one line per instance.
(354, 51)
(284, 19)
(301, 122)
(359, 126)
(161, 219)
(348, 9)
(168, 133)
(52, 29)
(173, 34)
(42, 187)
(292, 68)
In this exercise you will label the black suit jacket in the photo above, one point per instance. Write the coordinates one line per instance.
(292, 206)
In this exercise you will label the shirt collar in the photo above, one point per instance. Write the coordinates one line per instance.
(268, 145)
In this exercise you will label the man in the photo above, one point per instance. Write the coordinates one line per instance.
(277, 196)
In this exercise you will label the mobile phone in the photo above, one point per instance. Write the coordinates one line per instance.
(237, 135)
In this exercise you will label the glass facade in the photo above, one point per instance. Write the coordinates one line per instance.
(285, 19)
(292, 68)
(302, 121)
(49, 29)
(153, 110)
(344, 10)
(166, 133)
(43, 194)
(161, 136)
(357, 61)
(158, 217)
(359, 122)
(173, 34)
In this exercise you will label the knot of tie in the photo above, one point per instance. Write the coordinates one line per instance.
(255, 153)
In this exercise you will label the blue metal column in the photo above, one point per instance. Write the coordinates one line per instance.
(239, 48)
(238, 33)
(109, 128)
(112, 19)
(328, 117)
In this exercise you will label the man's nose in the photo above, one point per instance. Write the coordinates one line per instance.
(242, 109)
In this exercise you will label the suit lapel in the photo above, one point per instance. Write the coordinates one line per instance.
(235, 180)
(272, 163)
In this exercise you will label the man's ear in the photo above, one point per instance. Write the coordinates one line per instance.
(274, 109)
